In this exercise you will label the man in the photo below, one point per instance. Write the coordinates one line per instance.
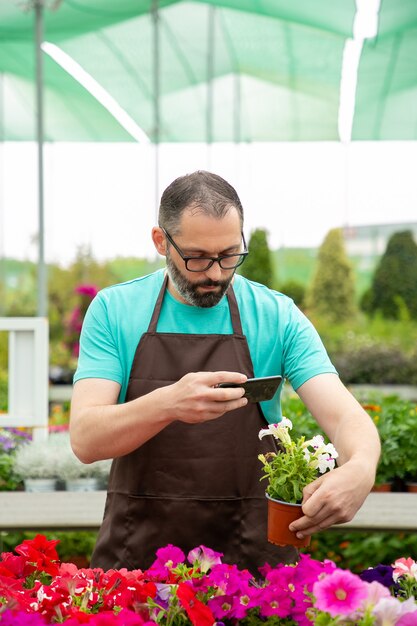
(146, 394)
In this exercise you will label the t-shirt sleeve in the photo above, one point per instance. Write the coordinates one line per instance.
(304, 354)
(99, 355)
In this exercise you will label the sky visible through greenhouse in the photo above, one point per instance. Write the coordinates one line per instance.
(104, 195)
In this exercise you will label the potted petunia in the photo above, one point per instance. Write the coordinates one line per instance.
(294, 465)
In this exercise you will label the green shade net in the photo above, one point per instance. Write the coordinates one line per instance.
(386, 95)
(266, 71)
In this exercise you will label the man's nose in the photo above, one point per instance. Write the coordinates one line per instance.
(214, 272)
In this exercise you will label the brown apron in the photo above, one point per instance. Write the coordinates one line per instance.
(191, 484)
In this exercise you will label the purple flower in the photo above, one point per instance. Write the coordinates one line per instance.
(380, 573)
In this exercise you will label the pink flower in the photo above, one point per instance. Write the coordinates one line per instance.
(87, 290)
(376, 592)
(340, 593)
(204, 558)
(167, 558)
(409, 619)
(405, 567)
(388, 611)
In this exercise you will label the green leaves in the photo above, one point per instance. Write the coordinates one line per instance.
(288, 474)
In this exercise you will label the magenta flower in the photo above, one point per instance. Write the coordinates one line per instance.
(9, 618)
(409, 619)
(274, 600)
(87, 290)
(340, 593)
(228, 578)
(166, 559)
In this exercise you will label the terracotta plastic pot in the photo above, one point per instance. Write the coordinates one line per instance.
(382, 488)
(411, 487)
(280, 516)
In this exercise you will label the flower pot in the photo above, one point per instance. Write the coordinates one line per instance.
(280, 516)
(382, 488)
(411, 487)
(82, 484)
(40, 484)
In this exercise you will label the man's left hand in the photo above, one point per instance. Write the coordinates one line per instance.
(334, 498)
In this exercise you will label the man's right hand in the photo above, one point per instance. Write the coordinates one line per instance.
(195, 398)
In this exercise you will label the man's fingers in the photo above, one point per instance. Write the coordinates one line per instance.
(309, 526)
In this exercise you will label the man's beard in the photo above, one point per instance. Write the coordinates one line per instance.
(189, 291)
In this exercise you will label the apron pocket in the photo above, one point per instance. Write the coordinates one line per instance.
(186, 523)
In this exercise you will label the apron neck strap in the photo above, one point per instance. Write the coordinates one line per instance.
(231, 298)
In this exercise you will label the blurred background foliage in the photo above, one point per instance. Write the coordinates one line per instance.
(366, 314)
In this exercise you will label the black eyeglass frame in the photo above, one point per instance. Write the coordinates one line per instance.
(211, 259)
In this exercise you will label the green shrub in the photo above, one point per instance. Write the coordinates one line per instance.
(357, 550)
(332, 291)
(377, 365)
(258, 265)
(394, 286)
(294, 290)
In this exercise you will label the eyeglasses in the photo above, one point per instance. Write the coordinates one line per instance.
(201, 264)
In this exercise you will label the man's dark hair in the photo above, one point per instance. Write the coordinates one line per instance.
(200, 191)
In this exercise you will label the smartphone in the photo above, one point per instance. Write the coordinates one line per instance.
(258, 389)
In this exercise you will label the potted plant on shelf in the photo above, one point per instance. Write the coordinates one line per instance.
(396, 422)
(36, 462)
(294, 465)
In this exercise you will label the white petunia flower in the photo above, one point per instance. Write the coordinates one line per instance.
(278, 431)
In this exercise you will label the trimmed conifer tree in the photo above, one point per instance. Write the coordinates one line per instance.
(258, 265)
(394, 282)
(332, 291)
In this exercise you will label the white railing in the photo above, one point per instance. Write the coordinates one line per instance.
(68, 510)
(27, 374)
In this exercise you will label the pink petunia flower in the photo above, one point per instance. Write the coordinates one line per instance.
(204, 558)
(409, 619)
(340, 593)
(404, 567)
(389, 611)
(375, 593)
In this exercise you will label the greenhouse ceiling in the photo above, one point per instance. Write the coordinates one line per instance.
(205, 71)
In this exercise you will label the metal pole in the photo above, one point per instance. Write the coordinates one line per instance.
(42, 308)
(237, 106)
(210, 74)
(156, 99)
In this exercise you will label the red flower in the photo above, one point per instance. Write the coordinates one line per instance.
(39, 547)
(40, 555)
(12, 565)
(199, 613)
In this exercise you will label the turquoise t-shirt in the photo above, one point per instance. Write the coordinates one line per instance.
(281, 339)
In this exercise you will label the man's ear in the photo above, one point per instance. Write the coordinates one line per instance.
(159, 240)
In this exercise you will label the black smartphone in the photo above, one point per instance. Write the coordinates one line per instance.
(258, 389)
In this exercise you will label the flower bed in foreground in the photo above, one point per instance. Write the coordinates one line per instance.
(36, 589)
